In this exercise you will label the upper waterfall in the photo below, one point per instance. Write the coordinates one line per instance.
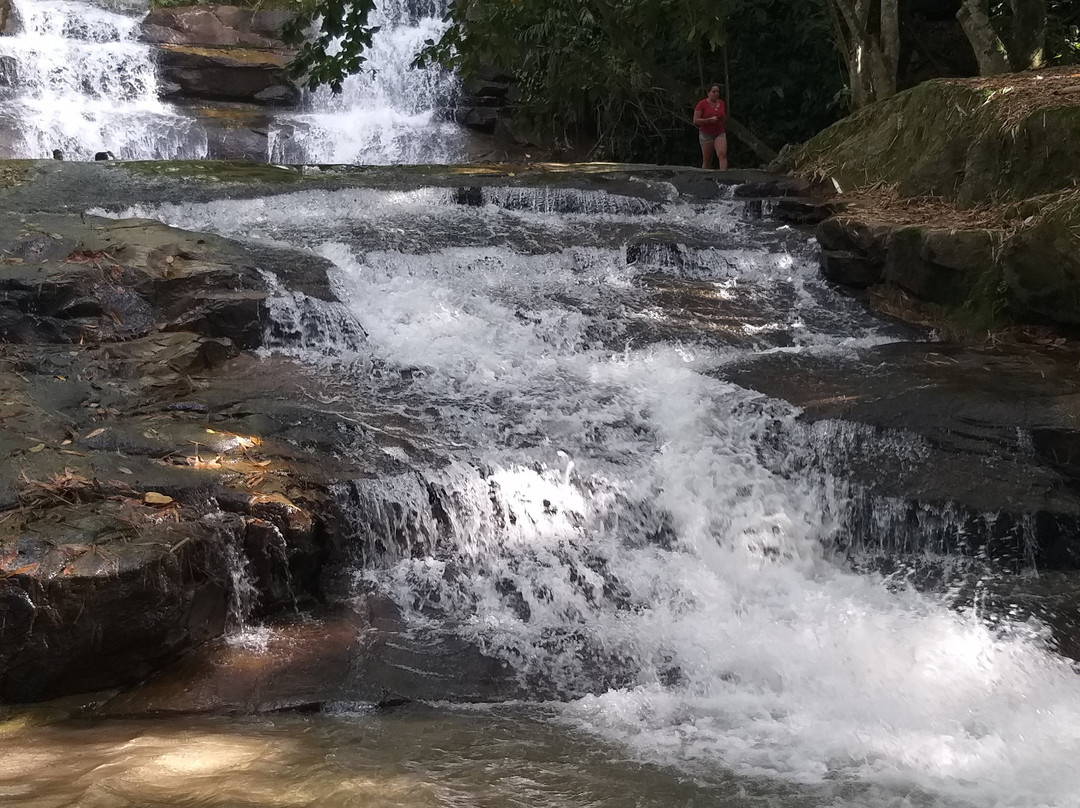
(388, 113)
(75, 77)
(79, 81)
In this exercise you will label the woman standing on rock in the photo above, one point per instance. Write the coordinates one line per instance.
(709, 119)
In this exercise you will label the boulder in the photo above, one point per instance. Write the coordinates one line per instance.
(480, 119)
(227, 26)
(850, 269)
(89, 608)
(1041, 267)
(9, 71)
(231, 74)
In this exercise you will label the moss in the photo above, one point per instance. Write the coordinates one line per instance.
(253, 57)
(230, 171)
(945, 138)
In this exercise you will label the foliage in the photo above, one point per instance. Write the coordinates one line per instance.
(612, 72)
(624, 74)
(787, 80)
(1063, 32)
(332, 35)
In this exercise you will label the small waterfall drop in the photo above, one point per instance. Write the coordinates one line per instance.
(75, 78)
(390, 112)
(638, 538)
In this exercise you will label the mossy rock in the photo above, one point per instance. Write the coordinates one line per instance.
(1041, 267)
(951, 139)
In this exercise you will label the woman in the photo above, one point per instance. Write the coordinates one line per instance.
(709, 119)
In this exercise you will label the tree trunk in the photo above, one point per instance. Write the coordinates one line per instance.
(1028, 34)
(870, 44)
(756, 144)
(989, 52)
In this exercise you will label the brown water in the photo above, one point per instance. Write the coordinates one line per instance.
(411, 757)
(414, 756)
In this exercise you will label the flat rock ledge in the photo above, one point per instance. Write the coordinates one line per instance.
(1024, 271)
(158, 481)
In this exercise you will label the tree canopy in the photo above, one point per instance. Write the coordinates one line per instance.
(622, 75)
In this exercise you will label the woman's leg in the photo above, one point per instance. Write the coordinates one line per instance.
(706, 153)
(721, 151)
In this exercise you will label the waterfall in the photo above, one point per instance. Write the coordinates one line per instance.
(644, 543)
(75, 78)
(390, 112)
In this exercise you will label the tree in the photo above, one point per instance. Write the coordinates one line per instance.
(612, 72)
(868, 36)
(621, 75)
(332, 36)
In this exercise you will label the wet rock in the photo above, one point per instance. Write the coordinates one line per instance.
(9, 66)
(216, 25)
(850, 269)
(801, 211)
(107, 599)
(398, 664)
(229, 74)
(948, 447)
(303, 661)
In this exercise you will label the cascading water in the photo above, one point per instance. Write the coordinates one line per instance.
(75, 78)
(639, 540)
(389, 113)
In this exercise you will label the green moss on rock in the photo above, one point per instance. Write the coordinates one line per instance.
(228, 171)
(949, 139)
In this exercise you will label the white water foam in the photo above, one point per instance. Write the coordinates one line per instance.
(615, 534)
(390, 112)
(81, 83)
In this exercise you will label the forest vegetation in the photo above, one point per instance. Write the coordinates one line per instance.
(621, 76)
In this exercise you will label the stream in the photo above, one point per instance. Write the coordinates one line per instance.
(648, 551)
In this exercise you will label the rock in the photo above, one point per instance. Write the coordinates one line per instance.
(801, 211)
(7, 18)
(216, 25)
(968, 140)
(850, 269)
(935, 440)
(482, 119)
(89, 610)
(906, 267)
(361, 652)
(230, 74)
(1041, 268)
(9, 68)
(279, 95)
(478, 88)
(851, 234)
(303, 661)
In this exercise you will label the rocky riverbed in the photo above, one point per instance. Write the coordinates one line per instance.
(165, 476)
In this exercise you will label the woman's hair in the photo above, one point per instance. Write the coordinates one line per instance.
(717, 86)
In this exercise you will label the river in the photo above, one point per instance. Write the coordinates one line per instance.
(647, 549)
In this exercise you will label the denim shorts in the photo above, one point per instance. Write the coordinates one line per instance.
(703, 138)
